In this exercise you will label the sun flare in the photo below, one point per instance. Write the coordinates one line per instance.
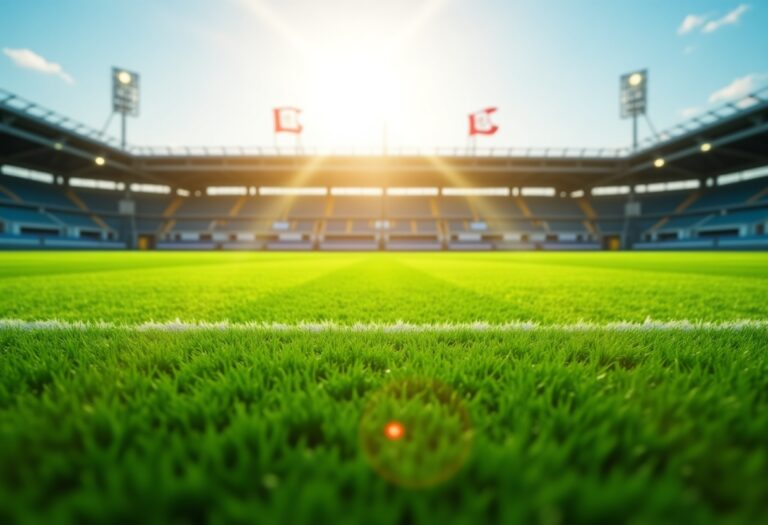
(354, 89)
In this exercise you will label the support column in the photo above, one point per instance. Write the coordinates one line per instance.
(123, 136)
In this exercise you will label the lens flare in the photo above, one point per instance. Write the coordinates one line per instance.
(416, 433)
(394, 431)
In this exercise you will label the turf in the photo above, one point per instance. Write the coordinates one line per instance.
(417, 288)
(597, 424)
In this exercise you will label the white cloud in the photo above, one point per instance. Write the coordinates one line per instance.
(729, 19)
(690, 23)
(28, 59)
(738, 88)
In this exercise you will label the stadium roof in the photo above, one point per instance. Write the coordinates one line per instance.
(735, 137)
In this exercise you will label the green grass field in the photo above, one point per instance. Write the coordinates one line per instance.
(257, 388)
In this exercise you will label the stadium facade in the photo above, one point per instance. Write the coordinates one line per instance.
(64, 185)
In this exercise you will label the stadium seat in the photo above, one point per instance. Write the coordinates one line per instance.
(218, 206)
(307, 207)
(451, 207)
(410, 207)
(729, 195)
(353, 207)
(25, 216)
(554, 207)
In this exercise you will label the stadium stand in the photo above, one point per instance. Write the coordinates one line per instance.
(269, 207)
(548, 207)
(396, 223)
(727, 196)
(352, 207)
(39, 193)
(410, 207)
(206, 206)
(455, 207)
(162, 200)
(306, 207)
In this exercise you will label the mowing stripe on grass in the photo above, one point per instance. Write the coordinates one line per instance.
(330, 326)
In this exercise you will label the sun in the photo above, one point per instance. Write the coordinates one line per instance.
(353, 91)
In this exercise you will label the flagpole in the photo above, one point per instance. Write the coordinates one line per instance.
(384, 138)
(276, 122)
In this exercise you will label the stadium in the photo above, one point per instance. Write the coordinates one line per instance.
(307, 332)
(262, 199)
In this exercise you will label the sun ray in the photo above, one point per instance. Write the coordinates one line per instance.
(421, 17)
(266, 14)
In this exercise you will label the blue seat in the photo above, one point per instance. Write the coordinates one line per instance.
(25, 215)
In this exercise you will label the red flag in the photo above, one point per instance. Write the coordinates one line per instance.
(287, 120)
(480, 122)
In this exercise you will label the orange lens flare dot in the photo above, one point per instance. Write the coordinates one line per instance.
(394, 431)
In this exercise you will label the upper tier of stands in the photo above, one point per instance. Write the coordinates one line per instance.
(356, 207)
(207, 207)
(410, 207)
(48, 195)
(736, 194)
(26, 216)
(554, 207)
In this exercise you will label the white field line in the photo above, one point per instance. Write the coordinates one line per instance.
(398, 327)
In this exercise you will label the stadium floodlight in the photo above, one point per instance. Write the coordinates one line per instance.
(124, 77)
(99, 161)
(635, 79)
(659, 163)
(705, 147)
(633, 90)
(125, 96)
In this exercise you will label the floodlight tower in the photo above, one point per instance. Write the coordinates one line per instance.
(633, 89)
(125, 97)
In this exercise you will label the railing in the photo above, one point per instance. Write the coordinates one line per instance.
(18, 104)
(707, 118)
(727, 110)
(234, 151)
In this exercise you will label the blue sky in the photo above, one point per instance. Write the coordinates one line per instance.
(213, 70)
